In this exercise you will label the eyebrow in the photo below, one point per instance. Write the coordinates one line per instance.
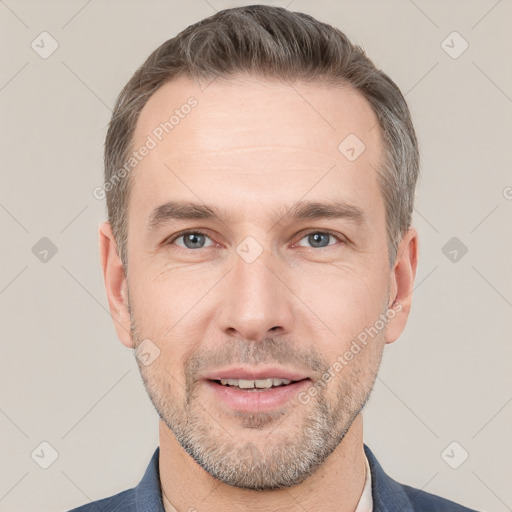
(302, 210)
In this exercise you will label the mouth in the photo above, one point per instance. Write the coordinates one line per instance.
(246, 391)
(255, 385)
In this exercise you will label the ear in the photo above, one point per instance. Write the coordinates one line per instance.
(402, 284)
(115, 284)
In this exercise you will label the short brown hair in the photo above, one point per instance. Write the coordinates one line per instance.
(269, 42)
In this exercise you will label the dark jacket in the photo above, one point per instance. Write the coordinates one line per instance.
(388, 495)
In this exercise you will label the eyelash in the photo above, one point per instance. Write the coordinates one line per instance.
(181, 234)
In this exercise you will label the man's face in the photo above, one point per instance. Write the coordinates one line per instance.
(259, 293)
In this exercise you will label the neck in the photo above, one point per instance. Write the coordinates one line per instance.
(337, 484)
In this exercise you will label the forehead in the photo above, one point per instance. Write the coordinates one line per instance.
(267, 138)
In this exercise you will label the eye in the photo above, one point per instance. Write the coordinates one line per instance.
(320, 239)
(198, 240)
(191, 239)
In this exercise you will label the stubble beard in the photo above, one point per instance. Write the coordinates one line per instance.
(271, 451)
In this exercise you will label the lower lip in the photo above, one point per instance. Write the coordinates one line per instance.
(257, 401)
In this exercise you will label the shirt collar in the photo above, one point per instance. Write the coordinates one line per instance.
(366, 501)
(380, 493)
(148, 494)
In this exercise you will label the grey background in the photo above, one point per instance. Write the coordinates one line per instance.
(67, 380)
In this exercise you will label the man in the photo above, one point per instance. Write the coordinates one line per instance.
(259, 255)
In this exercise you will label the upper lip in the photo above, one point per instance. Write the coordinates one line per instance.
(254, 374)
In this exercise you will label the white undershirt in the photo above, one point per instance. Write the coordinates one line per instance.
(366, 502)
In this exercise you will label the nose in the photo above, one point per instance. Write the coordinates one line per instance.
(256, 300)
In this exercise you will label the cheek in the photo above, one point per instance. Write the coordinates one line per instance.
(166, 312)
(346, 300)
(163, 298)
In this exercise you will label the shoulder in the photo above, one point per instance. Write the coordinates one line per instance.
(146, 496)
(389, 495)
(123, 501)
(425, 502)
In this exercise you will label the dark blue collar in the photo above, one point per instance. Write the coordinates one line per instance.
(388, 495)
(148, 494)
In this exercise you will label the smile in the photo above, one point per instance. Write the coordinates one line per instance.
(255, 384)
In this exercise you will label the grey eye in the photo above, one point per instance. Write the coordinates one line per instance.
(317, 239)
(192, 240)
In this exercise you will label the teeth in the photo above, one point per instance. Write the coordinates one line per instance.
(260, 383)
(264, 383)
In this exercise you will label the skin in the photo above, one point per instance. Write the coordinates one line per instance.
(254, 148)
